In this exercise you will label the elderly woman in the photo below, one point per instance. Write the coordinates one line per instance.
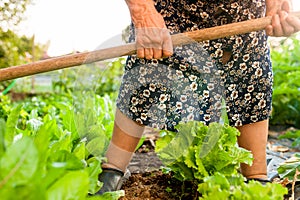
(244, 78)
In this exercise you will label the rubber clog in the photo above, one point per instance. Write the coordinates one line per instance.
(112, 180)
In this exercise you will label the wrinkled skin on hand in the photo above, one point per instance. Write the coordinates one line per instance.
(283, 23)
(153, 39)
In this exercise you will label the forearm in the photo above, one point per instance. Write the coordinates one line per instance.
(139, 9)
(153, 39)
(283, 23)
(273, 6)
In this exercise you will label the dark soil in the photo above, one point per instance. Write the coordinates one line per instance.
(19, 96)
(148, 182)
(158, 186)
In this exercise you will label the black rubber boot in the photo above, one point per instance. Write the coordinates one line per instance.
(112, 180)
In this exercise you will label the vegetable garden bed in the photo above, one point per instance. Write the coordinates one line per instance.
(64, 134)
(149, 181)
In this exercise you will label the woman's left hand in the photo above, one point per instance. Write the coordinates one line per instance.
(284, 24)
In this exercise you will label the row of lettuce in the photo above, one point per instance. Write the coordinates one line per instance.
(57, 155)
(52, 148)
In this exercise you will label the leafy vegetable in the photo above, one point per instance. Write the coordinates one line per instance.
(19, 168)
(209, 157)
(288, 168)
(197, 151)
(220, 187)
(286, 97)
(294, 135)
(52, 154)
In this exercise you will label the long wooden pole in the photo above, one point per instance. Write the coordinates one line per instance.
(129, 49)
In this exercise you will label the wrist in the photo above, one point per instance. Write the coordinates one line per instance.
(273, 6)
(139, 9)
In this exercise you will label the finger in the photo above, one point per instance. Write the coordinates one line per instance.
(286, 6)
(148, 53)
(157, 53)
(167, 47)
(277, 29)
(141, 53)
(269, 30)
(295, 22)
(167, 53)
(287, 28)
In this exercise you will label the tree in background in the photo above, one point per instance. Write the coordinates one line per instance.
(15, 49)
(12, 12)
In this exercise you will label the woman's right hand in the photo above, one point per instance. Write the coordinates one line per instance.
(153, 39)
(283, 23)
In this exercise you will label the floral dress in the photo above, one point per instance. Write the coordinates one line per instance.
(194, 84)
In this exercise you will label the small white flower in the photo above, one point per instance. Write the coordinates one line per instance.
(146, 93)
(232, 87)
(179, 105)
(162, 98)
(238, 123)
(206, 93)
(255, 64)
(162, 106)
(253, 118)
(207, 117)
(182, 67)
(143, 71)
(183, 98)
(262, 103)
(152, 87)
(192, 77)
(210, 86)
(247, 97)
(133, 109)
(234, 94)
(260, 95)
(143, 116)
(142, 80)
(258, 72)
(134, 101)
(243, 66)
(250, 88)
(179, 74)
(194, 86)
(190, 117)
(190, 109)
(246, 57)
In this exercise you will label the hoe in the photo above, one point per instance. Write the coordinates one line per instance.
(77, 59)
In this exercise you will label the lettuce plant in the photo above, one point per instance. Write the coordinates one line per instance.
(210, 157)
(58, 155)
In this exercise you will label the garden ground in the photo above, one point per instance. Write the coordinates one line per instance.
(149, 182)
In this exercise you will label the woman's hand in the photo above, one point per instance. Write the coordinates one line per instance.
(283, 23)
(153, 39)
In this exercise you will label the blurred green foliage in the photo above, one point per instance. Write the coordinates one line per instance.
(286, 90)
(101, 78)
(12, 12)
(15, 49)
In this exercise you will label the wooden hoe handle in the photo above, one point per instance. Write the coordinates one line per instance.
(72, 60)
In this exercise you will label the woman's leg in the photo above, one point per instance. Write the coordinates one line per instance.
(125, 138)
(254, 138)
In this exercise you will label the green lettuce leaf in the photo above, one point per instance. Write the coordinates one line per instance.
(198, 151)
(288, 168)
(19, 163)
(108, 196)
(73, 185)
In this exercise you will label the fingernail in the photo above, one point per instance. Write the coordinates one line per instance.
(283, 14)
(149, 57)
